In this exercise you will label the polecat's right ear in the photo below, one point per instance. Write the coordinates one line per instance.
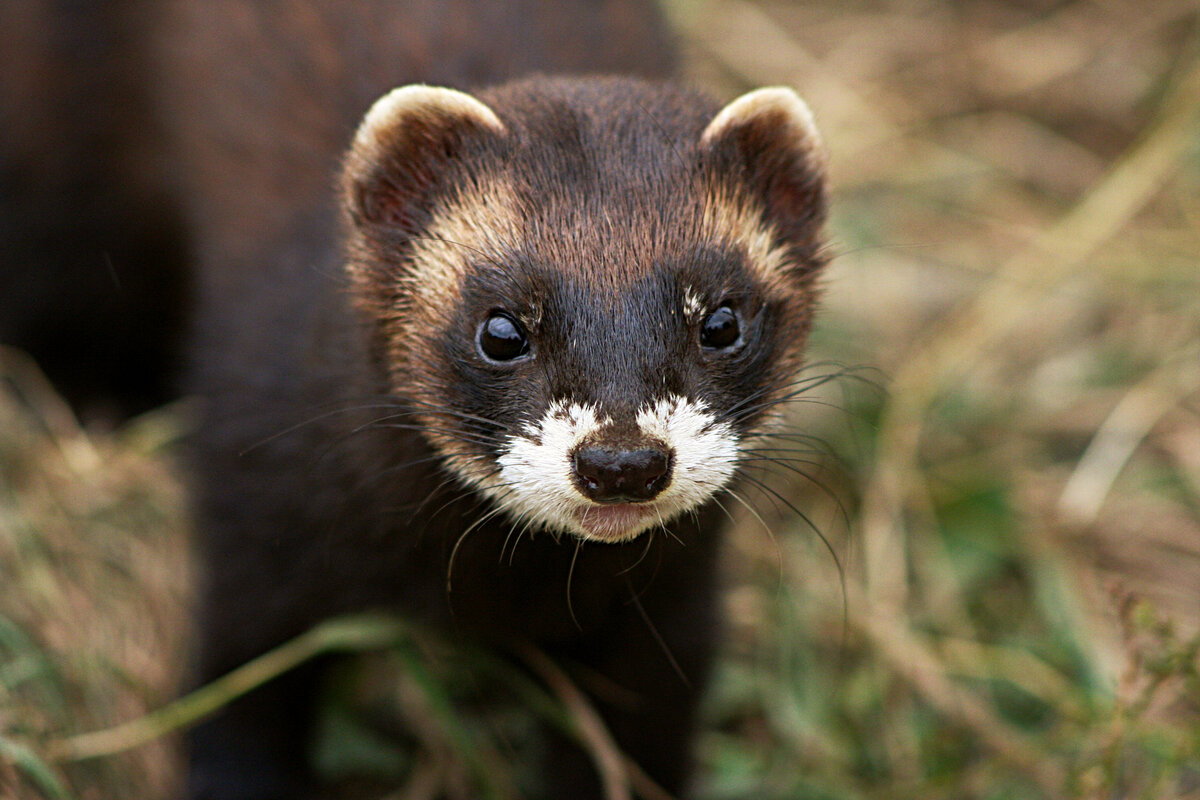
(404, 145)
(768, 140)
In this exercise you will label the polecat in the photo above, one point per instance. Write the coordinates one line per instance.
(568, 306)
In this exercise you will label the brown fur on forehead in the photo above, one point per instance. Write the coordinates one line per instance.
(610, 182)
(597, 167)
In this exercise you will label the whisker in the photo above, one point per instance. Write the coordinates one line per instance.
(499, 265)
(794, 390)
(311, 420)
(662, 643)
(824, 540)
(524, 520)
(804, 382)
(641, 557)
(450, 433)
(570, 576)
(770, 533)
(450, 412)
(449, 479)
(787, 463)
(458, 543)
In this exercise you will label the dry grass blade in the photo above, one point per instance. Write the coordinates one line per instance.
(336, 636)
(592, 732)
(1125, 428)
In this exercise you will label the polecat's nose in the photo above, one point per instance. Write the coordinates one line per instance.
(607, 475)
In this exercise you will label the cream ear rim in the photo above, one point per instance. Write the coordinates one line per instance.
(417, 101)
(763, 101)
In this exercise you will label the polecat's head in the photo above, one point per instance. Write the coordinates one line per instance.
(589, 291)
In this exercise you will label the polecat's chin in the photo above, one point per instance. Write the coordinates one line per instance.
(614, 523)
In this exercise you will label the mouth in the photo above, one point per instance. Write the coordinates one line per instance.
(613, 523)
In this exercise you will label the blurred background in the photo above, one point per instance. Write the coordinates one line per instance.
(982, 581)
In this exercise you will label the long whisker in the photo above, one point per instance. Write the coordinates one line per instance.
(641, 557)
(662, 643)
(794, 391)
(788, 464)
(770, 533)
(825, 541)
(458, 543)
(512, 529)
(311, 420)
(570, 576)
(449, 479)
(798, 385)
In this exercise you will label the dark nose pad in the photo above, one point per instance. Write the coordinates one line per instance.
(608, 475)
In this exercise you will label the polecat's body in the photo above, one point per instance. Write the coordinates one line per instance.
(93, 279)
(506, 402)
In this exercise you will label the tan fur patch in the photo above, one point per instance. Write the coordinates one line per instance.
(480, 221)
(732, 217)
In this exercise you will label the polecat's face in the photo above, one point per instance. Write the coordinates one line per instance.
(591, 295)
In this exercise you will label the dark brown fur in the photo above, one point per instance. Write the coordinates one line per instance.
(93, 266)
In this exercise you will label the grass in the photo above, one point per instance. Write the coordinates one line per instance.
(93, 576)
(1017, 222)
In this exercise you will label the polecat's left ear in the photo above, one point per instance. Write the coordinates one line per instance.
(768, 139)
(404, 149)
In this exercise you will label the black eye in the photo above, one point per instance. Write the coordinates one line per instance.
(501, 338)
(720, 330)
